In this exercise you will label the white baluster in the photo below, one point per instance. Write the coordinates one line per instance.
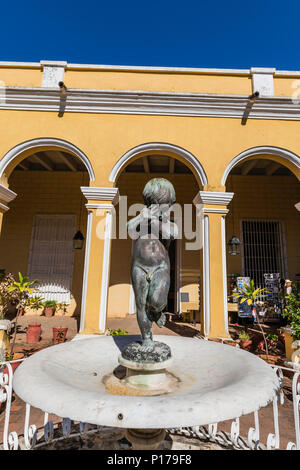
(296, 405)
(273, 439)
(235, 431)
(30, 432)
(253, 433)
(10, 440)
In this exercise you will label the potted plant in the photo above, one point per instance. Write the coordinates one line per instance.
(62, 308)
(245, 340)
(292, 331)
(252, 295)
(22, 290)
(49, 307)
(33, 333)
(59, 334)
(7, 299)
(35, 303)
(15, 359)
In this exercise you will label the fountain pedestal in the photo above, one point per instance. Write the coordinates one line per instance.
(147, 372)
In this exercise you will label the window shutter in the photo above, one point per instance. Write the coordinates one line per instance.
(51, 257)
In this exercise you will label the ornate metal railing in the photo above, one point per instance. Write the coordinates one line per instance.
(51, 431)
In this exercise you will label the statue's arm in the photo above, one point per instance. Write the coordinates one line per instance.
(169, 230)
(132, 225)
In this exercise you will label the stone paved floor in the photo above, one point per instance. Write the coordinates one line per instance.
(129, 323)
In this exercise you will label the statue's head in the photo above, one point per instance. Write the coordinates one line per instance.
(159, 191)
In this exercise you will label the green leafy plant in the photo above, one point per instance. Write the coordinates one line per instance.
(60, 336)
(292, 311)
(244, 336)
(62, 306)
(35, 302)
(9, 356)
(50, 304)
(272, 337)
(119, 331)
(7, 297)
(252, 295)
(22, 290)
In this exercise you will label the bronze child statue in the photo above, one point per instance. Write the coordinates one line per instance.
(150, 266)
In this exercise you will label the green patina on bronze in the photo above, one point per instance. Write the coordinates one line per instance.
(150, 265)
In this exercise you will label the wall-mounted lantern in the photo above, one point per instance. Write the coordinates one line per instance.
(234, 245)
(78, 241)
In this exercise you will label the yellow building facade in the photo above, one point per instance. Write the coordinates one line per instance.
(227, 139)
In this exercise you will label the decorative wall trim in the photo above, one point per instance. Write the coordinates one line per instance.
(45, 142)
(101, 194)
(224, 267)
(6, 194)
(161, 147)
(213, 197)
(86, 269)
(3, 207)
(105, 272)
(261, 150)
(99, 206)
(150, 103)
(53, 72)
(262, 80)
(206, 276)
(144, 69)
(210, 210)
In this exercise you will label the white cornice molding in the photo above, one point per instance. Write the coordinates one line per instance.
(145, 69)
(101, 194)
(149, 103)
(6, 194)
(215, 211)
(3, 207)
(100, 206)
(213, 197)
(54, 63)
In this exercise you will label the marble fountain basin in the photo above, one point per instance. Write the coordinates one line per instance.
(214, 382)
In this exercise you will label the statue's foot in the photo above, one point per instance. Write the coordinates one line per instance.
(147, 345)
(161, 321)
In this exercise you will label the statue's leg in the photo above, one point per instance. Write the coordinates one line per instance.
(140, 286)
(158, 295)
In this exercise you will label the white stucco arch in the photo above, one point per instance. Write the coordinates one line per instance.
(260, 150)
(163, 147)
(46, 142)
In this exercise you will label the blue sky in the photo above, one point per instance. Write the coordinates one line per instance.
(189, 33)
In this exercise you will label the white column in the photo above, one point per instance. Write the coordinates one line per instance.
(101, 202)
(212, 207)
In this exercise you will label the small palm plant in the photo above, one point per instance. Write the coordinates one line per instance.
(251, 295)
(22, 290)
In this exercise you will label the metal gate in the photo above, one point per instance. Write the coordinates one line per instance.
(262, 249)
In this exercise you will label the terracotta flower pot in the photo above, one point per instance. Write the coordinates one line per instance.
(246, 344)
(33, 333)
(16, 364)
(271, 359)
(49, 311)
(59, 334)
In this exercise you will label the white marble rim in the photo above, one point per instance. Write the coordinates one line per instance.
(249, 384)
